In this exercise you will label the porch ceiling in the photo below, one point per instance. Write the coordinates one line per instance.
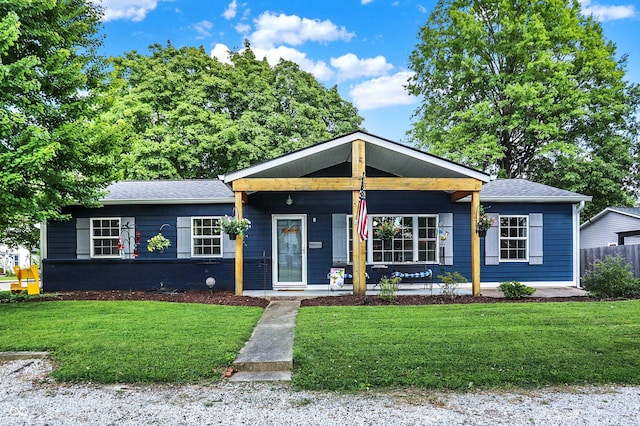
(390, 157)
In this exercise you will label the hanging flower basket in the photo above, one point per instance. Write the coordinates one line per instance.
(484, 222)
(387, 229)
(158, 243)
(233, 226)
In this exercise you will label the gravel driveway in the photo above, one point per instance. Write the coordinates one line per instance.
(29, 397)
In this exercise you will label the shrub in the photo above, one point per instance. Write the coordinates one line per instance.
(515, 290)
(611, 277)
(388, 288)
(9, 297)
(450, 283)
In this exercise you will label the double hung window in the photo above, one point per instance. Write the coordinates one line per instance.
(514, 237)
(206, 237)
(105, 237)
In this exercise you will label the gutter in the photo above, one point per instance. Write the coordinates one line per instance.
(222, 200)
(577, 208)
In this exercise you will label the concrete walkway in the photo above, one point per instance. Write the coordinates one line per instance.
(268, 355)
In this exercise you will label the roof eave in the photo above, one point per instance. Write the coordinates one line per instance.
(528, 199)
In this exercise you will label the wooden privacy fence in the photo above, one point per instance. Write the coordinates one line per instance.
(630, 253)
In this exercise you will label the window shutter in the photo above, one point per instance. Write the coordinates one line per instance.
(128, 235)
(339, 238)
(535, 238)
(446, 225)
(492, 242)
(83, 238)
(183, 230)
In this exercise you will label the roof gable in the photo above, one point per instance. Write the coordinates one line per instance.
(633, 212)
(381, 154)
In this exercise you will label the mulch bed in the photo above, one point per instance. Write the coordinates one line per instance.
(229, 298)
(192, 296)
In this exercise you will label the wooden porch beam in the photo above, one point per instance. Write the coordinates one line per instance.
(458, 195)
(239, 261)
(359, 247)
(423, 184)
(475, 244)
(353, 184)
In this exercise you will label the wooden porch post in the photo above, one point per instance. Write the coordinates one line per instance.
(239, 196)
(475, 244)
(359, 247)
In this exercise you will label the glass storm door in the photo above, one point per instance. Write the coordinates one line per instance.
(289, 250)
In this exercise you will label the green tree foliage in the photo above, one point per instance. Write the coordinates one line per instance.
(52, 153)
(527, 89)
(186, 115)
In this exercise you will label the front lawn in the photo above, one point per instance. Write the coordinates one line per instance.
(129, 341)
(467, 346)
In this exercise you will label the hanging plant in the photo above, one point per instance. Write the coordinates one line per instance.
(387, 229)
(484, 221)
(158, 243)
(234, 226)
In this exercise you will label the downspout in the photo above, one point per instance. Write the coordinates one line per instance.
(577, 208)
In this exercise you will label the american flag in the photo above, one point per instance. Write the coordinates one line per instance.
(363, 219)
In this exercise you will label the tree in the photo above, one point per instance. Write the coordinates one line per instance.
(51, 151)
(187, 115)
(527, 89)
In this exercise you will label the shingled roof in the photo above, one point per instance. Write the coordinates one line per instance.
(521, 190)
(210, 191)
(214, 191)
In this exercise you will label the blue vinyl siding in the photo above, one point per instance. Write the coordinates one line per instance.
(63, 271)
(557, 246)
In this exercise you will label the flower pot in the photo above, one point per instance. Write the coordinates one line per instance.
(482, 234)
(232, 236)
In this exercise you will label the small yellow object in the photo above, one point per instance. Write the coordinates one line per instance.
(31, 277)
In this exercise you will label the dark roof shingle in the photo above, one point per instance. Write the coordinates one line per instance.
(210, 190)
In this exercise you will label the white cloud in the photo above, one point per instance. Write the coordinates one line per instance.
(203, 28)
(365, 1)
(607, 13)
(131, 10)
(274, 29)
(243, 28)
(350, 66)
(221, 52)
(382, 92)
(422, 9)
(231, 10)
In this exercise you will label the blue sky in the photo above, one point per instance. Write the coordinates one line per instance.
(363, 46)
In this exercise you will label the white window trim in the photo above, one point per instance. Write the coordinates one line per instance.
(526, 239)
(414, 239)
(93, 238)
(193, 237)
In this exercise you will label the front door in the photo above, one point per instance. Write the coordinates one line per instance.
(289, 250)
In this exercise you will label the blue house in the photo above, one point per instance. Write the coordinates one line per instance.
(304, 207)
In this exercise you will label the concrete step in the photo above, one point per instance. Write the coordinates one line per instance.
(261, 376)
(270, 348)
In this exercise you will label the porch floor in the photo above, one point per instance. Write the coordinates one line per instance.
(406, 289)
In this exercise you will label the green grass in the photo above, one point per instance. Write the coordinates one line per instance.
(467, 346)
(129, 341)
